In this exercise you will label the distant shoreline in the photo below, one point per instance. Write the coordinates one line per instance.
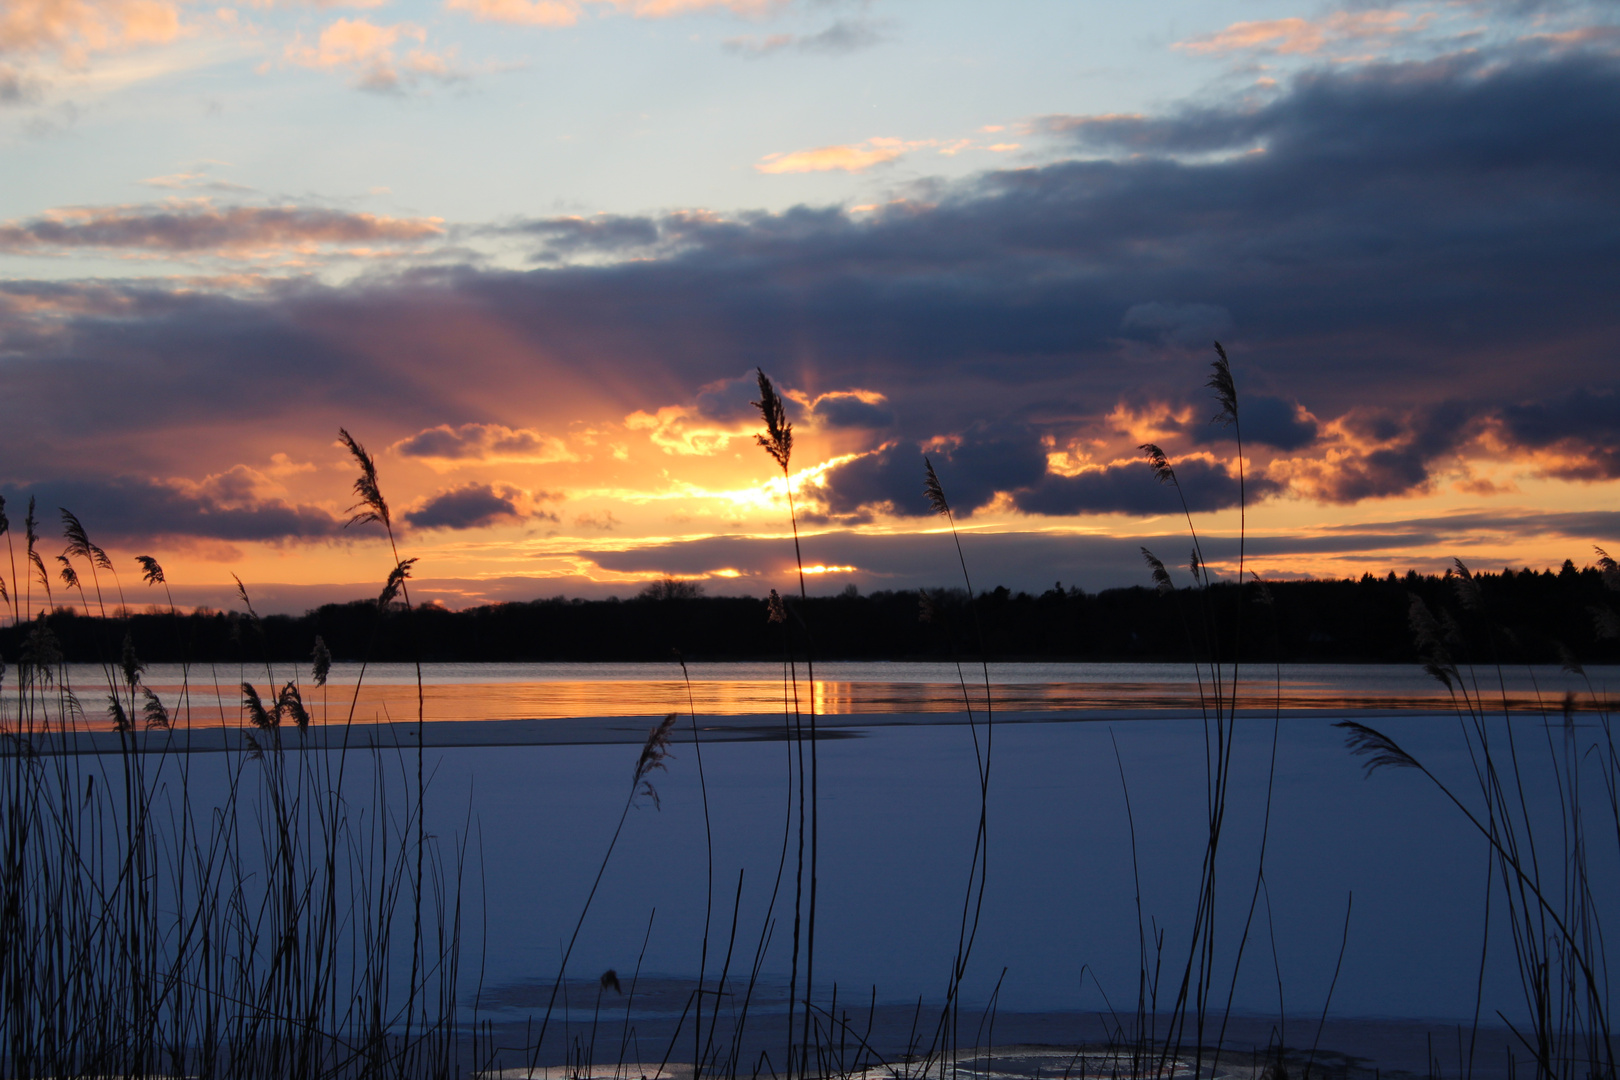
(1550, 615)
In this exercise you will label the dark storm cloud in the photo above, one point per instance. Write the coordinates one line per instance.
(849, 411)
(1181, 324)
(1455, 113)
(609, 233)
(1130, 489)
(131, 508)
(983, 463)
(464, 507)
(1268, 420)
(1412, 234)
(1583, 421)
(732, 400)
(1413, 440)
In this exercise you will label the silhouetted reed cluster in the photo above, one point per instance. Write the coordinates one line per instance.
(271, 910)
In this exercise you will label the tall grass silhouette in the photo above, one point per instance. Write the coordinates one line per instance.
(1215, 638)
(1553, 904)
(231, 913)
(777, 441)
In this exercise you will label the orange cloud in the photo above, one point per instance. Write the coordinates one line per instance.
(73, 29)
(854, 157)
(521, 12)
(322, 4)
(1296, 36)
(568, 12)
(369, 49)
(858, 157)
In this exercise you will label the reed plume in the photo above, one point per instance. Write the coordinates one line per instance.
(9, 597)
(70, 576)
(320, 661)
(1379, 749)
(257, 713)
(1220, 381)
(157, 716)
(934, 490)
(1609, 568)
(79, 543)
(289, 702)
(1161, 576)
(778, 437)
(371, 506)
(116, 713)
(396, 582)
(1162, 472)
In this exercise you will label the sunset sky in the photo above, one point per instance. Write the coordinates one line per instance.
(531, 252)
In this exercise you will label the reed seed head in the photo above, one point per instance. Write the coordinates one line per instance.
(1162, 472)
(115, 711)
(1379, 749)
(933, 489)
(1610, 570)
(241, 592)
(70, 576)
(396, 581)
(656, 748)
(371, 505)
(1466, 586)
(151, 572)
(39, 570)
(256, 711)
(156, 715)
(129, 663)
(610, 981)
(78, 542)
(1265, 590)
(1220, 381)
(320, 661)
(291, 703)
(1161, 576)
(778, 437)
(775, 611)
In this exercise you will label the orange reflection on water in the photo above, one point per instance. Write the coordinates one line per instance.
(747, 697)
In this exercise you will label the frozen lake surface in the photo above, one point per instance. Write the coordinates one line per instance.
(534, 764)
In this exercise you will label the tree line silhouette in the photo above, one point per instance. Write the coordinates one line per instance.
(1550, 616)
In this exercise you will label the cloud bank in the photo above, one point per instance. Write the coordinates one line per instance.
(1412, 265)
